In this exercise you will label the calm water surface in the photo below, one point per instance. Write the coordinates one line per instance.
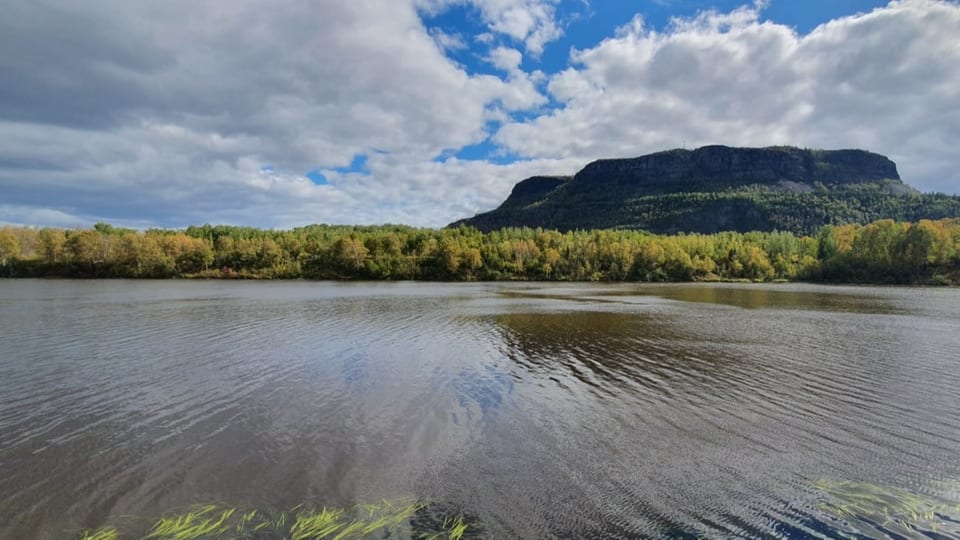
(535, 410)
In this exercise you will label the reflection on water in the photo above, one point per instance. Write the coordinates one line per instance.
(535, 409)
(782, 296)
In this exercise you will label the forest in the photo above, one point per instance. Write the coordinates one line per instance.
(743, 208)
(885, 251)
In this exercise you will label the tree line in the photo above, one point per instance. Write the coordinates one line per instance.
(885, 251)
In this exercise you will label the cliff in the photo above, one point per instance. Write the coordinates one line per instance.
(717, 188)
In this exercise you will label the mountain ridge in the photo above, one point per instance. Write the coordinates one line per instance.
(717, 188)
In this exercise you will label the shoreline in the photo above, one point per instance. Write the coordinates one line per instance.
(884, 252)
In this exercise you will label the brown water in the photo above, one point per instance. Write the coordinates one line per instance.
(535, 410)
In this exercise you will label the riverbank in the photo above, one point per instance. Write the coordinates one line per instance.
(883, 252)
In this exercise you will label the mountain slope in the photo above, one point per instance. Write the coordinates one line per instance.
(718, 188)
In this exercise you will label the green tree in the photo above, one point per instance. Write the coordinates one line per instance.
(9, 249)
(51, 245)
(350, 253)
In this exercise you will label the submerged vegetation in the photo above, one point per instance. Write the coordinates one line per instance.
(884, 251)
(385, 520)
(861, 508)
(881, 511)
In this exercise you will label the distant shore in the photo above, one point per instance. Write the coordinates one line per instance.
(882, 252)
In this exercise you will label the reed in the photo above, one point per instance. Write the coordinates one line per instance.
(108, 533)
(388, 519)
(204, 522)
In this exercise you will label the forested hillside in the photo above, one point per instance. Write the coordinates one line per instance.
(718, 188)
(881, 252)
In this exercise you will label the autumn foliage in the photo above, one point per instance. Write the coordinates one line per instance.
(881, 252)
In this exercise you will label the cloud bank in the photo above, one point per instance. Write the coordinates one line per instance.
(168, 113)
(887, 81)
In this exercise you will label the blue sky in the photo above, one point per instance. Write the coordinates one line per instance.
(279, 113)
(585, 24)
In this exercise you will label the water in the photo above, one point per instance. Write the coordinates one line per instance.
(534, 410)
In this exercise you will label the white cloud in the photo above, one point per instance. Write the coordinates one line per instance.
(136, 114)
(531, 22)
(887, 81)
(521, 91)
(506, 58)
(467, 187)
(447, 41)
(486, 38)
(28, 216)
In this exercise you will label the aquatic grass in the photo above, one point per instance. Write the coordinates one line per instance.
(309, 525)
(456, 528)
(107, 533)
(385, 517)
(388, 519)
(887, 508)
(451, 528)
(247, 519)
(209, 521)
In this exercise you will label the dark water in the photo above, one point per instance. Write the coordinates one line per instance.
(535, 410)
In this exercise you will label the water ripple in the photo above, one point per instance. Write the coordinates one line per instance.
(574, 411)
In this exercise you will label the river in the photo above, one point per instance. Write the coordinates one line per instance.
(529, 409)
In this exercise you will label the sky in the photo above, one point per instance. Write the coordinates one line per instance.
(283, 113)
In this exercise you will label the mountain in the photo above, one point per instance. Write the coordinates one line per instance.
(720, 188)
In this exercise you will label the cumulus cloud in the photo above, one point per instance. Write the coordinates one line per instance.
(521, 92)
(163, 175)
(448, 41)
(506, 58)
(531, 22)
(169, 113)
(887, 81)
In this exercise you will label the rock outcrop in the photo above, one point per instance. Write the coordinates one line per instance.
(718, 188)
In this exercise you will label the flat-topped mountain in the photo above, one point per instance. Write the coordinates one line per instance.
(718, 188)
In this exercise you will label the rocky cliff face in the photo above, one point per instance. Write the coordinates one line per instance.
(721, 167)
(711, 189)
